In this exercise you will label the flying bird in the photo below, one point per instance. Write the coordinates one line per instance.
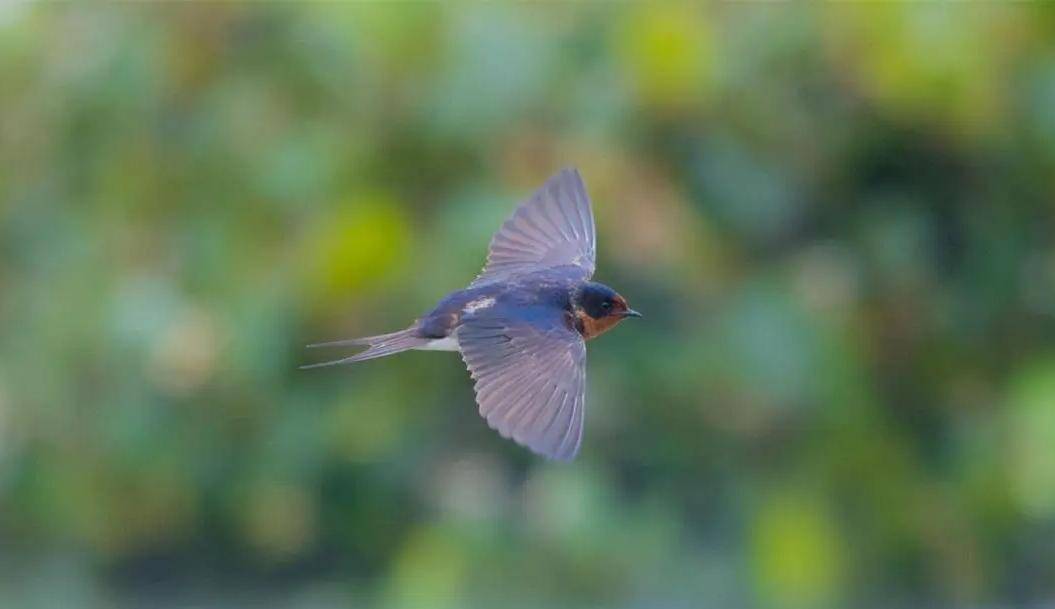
(522, 325)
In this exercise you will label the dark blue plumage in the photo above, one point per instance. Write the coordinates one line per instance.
(546, 288)
(521, 325)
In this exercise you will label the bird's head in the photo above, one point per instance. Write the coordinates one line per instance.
(598, 308)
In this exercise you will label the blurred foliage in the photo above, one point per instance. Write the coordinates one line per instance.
(837, 220)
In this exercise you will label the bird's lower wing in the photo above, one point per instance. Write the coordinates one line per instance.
(530, 380)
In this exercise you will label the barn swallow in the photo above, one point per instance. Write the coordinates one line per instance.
(522, 325)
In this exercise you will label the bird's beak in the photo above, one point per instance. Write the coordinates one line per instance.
(631, 313)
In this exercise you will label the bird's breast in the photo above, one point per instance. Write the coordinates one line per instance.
(590, 328)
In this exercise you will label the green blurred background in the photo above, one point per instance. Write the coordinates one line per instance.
(838, 222)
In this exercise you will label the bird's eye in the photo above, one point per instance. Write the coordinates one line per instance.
(606, 305)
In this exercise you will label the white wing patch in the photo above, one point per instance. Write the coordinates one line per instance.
(449, 343)
(479, 303)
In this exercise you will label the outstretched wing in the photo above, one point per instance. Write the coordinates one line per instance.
(552, 228)
(530, 379)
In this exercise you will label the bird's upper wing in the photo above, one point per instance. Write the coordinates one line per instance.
(552, 228)
(530, 378)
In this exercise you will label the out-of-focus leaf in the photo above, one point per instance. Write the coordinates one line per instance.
(1031, 418)
(797, 555)
(667, 51)
(356, 249)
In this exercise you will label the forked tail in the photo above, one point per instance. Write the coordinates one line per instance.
(377, 346)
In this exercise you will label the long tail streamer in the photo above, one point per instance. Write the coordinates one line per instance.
(377, 346)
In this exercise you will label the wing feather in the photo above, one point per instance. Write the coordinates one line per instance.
(554, 227)
(530, 380)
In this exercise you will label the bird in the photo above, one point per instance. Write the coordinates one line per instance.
(522, 325)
